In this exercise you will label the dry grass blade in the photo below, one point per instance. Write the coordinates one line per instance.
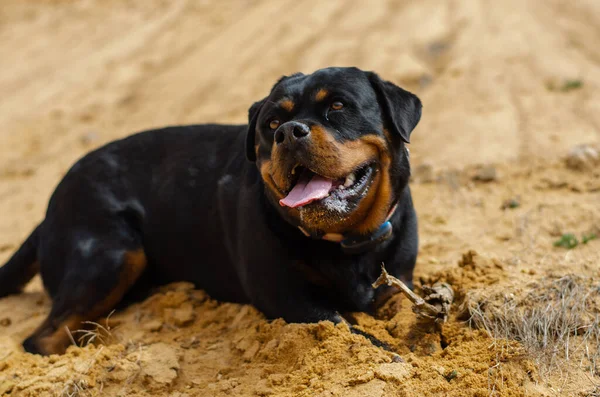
(75, 388)
(557, 321)
(97, 333)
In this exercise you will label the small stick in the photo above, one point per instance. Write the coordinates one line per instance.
(436, 306)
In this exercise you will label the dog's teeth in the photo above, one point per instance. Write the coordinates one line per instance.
(350, 179)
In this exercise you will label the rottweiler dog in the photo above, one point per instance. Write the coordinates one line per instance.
(293, 213)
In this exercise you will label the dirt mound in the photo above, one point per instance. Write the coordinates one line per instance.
(162, 346)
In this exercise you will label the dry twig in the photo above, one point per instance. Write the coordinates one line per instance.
(435, 306)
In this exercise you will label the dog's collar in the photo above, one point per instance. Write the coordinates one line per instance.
(356, 244)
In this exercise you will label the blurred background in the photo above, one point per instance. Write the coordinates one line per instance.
(500, 81)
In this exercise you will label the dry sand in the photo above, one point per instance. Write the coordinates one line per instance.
(509, 84)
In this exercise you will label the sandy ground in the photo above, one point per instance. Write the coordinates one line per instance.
(511, 85)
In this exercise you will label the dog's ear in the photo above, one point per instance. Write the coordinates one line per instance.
(250, 135)
(401, 109)
(253, 117)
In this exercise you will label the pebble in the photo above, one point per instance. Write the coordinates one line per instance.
(486, 173)
(583, 157)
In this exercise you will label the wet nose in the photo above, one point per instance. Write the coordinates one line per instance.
(291, 132)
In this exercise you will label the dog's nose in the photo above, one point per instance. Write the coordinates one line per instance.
(291, 132)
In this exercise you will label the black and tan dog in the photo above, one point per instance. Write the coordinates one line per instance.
(293, 213)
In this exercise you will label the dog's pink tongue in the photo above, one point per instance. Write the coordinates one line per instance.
(307, 190)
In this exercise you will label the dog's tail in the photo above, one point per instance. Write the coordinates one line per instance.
(21, 267)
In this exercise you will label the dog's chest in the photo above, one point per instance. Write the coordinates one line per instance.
(347, 279)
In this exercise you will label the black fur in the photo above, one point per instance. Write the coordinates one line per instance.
(189, 197)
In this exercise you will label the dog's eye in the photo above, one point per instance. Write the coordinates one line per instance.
(337, 105)
(273, 124)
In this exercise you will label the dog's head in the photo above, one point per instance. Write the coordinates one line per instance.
(330, 148)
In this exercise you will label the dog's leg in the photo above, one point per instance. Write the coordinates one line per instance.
(89, 290)
(301, 304)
